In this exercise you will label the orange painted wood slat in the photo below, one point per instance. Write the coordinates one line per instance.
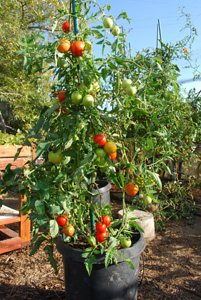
(10, 151)
(10, 245)
(7, 154)
(7, 232)
(10, 220)
(25, 224)
(18, 163)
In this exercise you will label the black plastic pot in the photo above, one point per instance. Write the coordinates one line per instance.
(104, 188)
(117, 282)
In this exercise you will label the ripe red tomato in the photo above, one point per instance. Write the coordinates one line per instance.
(65, 26)
(131, 189)
(61, 96)
(100, 227)
(105, 220)
(113, 155)
(68, 230)
(61, 220)
(77, 47)
(100, 236)
(100, 139)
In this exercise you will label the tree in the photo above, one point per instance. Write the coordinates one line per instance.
(18, 103)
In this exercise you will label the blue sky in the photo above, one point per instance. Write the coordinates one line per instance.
(144, 15)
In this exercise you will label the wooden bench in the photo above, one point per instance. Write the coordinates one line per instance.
(11, 239)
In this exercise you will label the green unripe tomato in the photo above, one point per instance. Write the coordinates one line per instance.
(88, 100)
(101, 162)
(61, 63)
(107, 22)
(115, 30)
(147, 200)
(131, 90)
(55, 157)
(100, 152)
(141, 196)
(125, 242)
(76, 97)
(126, 83)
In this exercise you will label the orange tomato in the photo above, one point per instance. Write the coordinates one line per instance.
(68, 230)
(185, 50)
(113, 155)
(131, 189)
(64, 46)
(110, 147)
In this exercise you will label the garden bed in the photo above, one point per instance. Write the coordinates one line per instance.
(172, 263)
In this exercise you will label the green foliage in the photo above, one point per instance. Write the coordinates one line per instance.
(150, 127)
(20, 100)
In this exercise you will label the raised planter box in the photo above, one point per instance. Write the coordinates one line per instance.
(13, 240)
(7, 154)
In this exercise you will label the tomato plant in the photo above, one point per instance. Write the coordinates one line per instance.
(126, 98)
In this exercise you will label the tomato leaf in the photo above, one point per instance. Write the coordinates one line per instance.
(156, 178)
(49, 251)
(39, 205)
(114, 45)
(110, 256)
(37, 245)
(166, 168)
(54, 228)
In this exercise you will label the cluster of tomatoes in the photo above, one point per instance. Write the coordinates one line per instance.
(104, 148)
(108, 23)
(128, 87)
(101, 228)
(67, 229)
(76, 47)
